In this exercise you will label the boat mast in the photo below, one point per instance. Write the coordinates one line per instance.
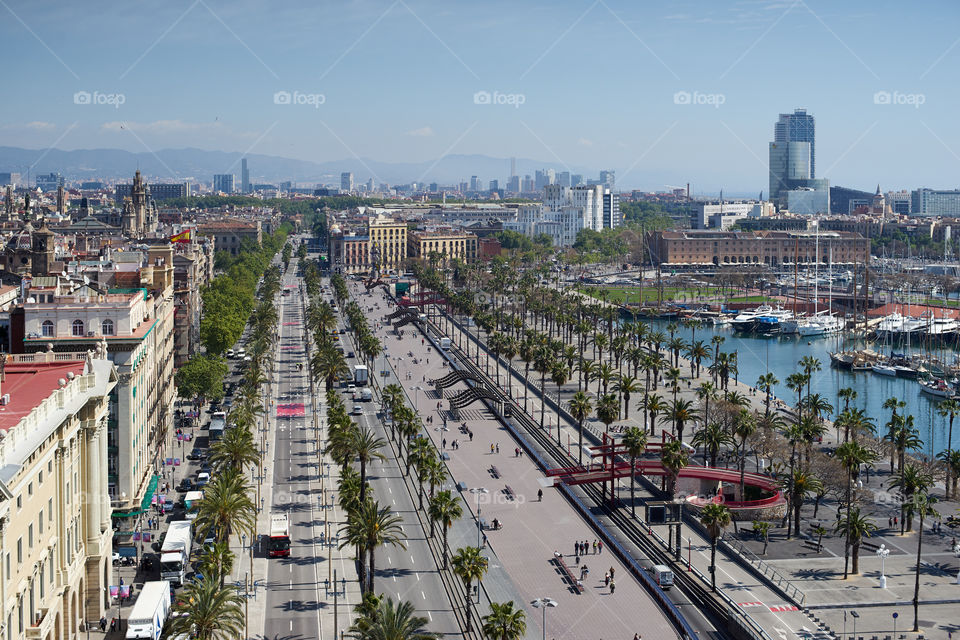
(796, 259)
(816, 270)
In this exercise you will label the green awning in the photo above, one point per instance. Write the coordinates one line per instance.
(144, 504)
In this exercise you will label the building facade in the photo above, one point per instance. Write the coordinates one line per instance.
(931, 202)
(229, 236)
(792, 154)
(447, 244)
(387, 241)
(224, 183)
(772, 248)
(55, 519)
(138, 328)
(346, 181)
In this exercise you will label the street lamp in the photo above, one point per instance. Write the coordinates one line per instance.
(476, 491)
(416, 398)
(855, 616)
(956, 552)
(882, 553)
(543, 603)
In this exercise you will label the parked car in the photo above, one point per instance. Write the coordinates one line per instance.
(350, 354)
(196, 454)
(357, 410)
(203, 478)
(185, 485)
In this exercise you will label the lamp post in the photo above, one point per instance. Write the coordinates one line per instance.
(855, 616)
(246, 585)
(543, 603)
(882, 553)
(476, 491)
(416, 397)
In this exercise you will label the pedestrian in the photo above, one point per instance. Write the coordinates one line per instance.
(103, 623)
(890, 521)
(606, 579)
(539, 495)
(576, 548)
(443, 443)
(594, 545)
(491, 448)
(636, 636)
(498, 447)
(471, 435)
(113, 625)
(611, 573)
(895, 519)
(600, 546)
(613, 586)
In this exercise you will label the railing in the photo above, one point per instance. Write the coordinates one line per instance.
(768, 572)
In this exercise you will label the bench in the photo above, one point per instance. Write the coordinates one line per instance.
(494, 472)
(869, 545)
(568, 574)
(510, 493)
(461, 486)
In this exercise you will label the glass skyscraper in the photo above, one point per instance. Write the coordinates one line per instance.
(792, 155)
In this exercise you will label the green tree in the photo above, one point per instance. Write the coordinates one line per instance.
(635, 443)
(715, 518)
(856, 527)
(445, 509)
(580, 409)
(469, 565)
(202, 377)
(226, 506)
(504, 622)
(392, 622)
(207, 611)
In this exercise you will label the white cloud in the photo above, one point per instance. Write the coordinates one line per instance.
(585, 142)
(422, 132)
(39, 125)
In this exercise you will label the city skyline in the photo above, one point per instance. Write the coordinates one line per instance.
(408, 82)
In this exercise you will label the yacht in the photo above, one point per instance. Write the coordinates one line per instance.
(820, 325)
(884, 369)
(941, 327)
(744, 320)
(937, 388)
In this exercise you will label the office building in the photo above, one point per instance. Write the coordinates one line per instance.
(48, 182)
(8, 178)
(55, 524)
(474, 183)
(513, 184)
(387, 241)
(808, 201)
(528, 185)
(543, 178)
(494, 186)
(792, 155)
(608, 178)
(563, 179)
(223, 183)
(576, 180)
(156, 191)
(899, 202)
(244, 177)
(612, 218)
(844, 201)
(346, 182)
(932, 202)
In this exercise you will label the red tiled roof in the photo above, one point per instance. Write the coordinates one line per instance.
(29, 384)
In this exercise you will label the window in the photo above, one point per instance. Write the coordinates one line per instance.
(40, 477)
(30, 535)
(30, 488)
(77, 327)
(40, 521)
(19, 551)
(106, 327)
(46, 328)
(19, 503)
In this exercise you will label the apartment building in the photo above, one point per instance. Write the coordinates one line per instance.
(192, 270)
(388, 239)
(449, 244)
(55, 525)
(137, 325)
(229, 236)
(771, 248)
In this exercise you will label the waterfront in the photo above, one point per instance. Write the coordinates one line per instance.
(757, 355)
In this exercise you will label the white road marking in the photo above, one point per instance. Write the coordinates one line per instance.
(291, 585)
(418, 576)
(422, 595)
(429, 615)
(390, 490)
(291, 622)
(411, 560)
(389, 559)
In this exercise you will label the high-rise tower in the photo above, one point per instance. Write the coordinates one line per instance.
(792, 155)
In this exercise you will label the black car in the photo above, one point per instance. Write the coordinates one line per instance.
(197, 454)
(186, 485)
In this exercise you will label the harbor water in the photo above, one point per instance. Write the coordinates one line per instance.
(756, 355)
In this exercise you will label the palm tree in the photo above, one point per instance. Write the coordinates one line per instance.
(469, 565)
(227, 506)
(608, 410)
(378, 526)
(674, 458)
(504, 622)
(951, 459)
(235, 450)
(444, 509)
(208, 611)
(766, 383)
(635, 443)
(800, 485)
(217, 561)
(856, 527)
(851, 455)
(366, 446)
(712, 438)
(949, 409)
(580, 409)
(893, 404)
(625, 386)
(559, 374)
(654, 405)
(922, 504)
(680, 412)
(715, 518)
(913, 481)
(847, 394)
(392, 622)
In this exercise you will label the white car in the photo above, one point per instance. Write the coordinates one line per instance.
(357, 410)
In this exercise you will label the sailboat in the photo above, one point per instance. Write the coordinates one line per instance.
(821, 324)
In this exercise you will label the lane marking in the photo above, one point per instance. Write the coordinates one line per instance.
(750, 604)
(423, 596)
(783, 607)
(429, 615)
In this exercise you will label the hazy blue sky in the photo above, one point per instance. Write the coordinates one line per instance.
(598, 81)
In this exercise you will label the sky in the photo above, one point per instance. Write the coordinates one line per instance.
(665, 93)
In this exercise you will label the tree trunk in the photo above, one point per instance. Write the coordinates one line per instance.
(855, 554)
(372, 571)
(713, 563)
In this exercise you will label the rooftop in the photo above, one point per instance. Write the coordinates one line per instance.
(29, 383)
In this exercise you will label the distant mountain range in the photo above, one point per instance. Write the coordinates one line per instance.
(169, 165)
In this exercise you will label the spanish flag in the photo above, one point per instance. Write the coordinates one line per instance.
(183, 236)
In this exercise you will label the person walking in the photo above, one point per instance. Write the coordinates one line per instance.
(594, 545)
(611, 573)
(491, 448)
(613, 587)
(600, 546)
(498, 448)
(606, 579)
(539, 495)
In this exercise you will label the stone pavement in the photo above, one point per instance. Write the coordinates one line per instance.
(532, 531)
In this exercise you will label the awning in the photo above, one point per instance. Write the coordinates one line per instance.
(144, 504)
(127, 552)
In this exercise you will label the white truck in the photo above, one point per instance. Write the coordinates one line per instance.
(150, 611)
(362, 395)
(218, 423)
(444, 343)
(663, 576)
(360, 374)
(175, 552)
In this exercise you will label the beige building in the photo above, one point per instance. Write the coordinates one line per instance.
(388, 238)
(229, 236)
(55, 526)
(137, 326)
(773, 248)
(450, 244)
